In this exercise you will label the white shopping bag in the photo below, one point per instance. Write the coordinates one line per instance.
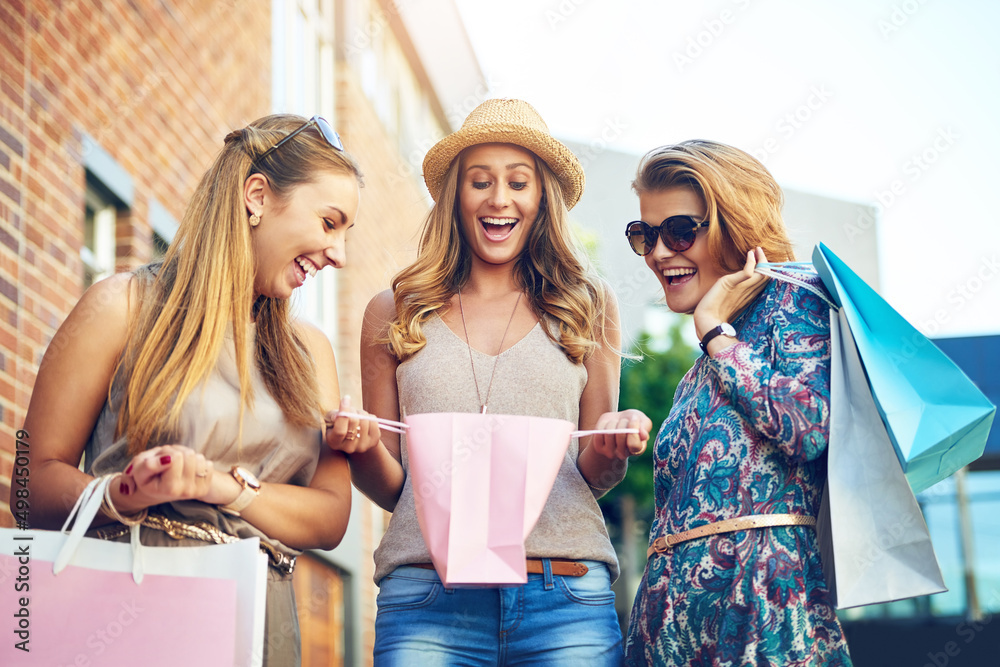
(874, 542)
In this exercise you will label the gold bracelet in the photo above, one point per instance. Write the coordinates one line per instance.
(109, 508)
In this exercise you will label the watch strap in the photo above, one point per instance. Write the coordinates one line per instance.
(247, 496)
(724, 329)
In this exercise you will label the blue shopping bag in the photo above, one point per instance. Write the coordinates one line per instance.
(937, 419)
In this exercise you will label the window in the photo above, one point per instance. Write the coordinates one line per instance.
(303, 82)
(164, 229)
(98, 250)
(108, 195)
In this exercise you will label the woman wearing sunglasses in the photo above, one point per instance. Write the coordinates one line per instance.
(499, 314)
(733, 573)
(190, 384)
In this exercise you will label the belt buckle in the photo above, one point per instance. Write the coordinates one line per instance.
(662, 544)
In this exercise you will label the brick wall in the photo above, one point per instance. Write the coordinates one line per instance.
(157, 85)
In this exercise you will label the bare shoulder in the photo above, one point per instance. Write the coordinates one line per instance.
(315, 340)
(379, 314)
(109, 297)
(382, 307)
(100, 317)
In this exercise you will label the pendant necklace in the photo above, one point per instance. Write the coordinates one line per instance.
(489, 388)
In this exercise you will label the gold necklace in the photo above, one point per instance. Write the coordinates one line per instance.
(489, 389)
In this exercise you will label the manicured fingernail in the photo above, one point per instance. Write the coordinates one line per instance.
(128, 470)
(165, 459)
(123, 489)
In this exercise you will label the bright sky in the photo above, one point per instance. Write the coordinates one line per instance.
(895, 101)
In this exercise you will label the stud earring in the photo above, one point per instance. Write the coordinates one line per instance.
(255, 219)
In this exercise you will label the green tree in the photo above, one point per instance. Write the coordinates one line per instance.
(649, 385)
(646, 385)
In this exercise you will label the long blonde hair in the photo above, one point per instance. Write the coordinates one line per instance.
(549, 270)
(205, 284)
(743, 199)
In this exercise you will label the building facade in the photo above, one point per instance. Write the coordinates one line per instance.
(111, 111)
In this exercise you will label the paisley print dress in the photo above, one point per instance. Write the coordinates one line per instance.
(747, 435)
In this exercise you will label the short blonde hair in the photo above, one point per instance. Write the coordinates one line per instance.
(743, 199)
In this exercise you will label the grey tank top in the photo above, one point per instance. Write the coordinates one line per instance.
(271, 448)
(533, 378)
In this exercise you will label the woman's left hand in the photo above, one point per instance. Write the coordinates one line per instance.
(730, 294)
(622, 445)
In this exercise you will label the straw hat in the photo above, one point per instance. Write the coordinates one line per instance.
(507, 122)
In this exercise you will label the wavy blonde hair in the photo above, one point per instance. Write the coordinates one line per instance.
(743, 199)
(205, 283)
(549, 270)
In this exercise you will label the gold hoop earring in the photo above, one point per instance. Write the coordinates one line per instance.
(255, 219)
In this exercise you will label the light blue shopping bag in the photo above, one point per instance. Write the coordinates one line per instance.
(937, 419)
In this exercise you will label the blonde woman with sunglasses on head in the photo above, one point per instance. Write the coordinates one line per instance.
(734, 574)
(498, 313)
(190, 383)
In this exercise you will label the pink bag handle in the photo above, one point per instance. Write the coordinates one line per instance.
(580, 434)
(387, 424)
(399, 427)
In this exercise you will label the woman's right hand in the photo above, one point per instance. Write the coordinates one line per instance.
(346, 433)
(730, 295)
(160, 475)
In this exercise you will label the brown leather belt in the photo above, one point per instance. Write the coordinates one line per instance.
(664, 544)
(561, 568)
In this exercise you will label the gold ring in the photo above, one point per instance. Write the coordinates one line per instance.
(350, 435)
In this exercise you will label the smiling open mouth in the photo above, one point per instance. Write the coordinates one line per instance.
(307, 267)
(679, 276)
(497, 229)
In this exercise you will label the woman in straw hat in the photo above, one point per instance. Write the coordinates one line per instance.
(734, 574)
(498, 313)
(188, 383)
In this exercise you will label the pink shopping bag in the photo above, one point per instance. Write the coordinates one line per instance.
(480, 482)
(75, 600)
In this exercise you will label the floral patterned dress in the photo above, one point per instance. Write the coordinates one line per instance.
(747, 435)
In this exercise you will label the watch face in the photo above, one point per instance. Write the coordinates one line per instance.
(727, 329)
(248, 477)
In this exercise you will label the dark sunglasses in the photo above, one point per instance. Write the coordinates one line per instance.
(678, 233)
(321, 124)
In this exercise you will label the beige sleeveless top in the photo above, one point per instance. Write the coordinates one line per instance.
(532, 378)
(271, 448)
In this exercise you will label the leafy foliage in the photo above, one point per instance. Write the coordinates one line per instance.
(649, 385)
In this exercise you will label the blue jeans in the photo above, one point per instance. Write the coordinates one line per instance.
(551, 620)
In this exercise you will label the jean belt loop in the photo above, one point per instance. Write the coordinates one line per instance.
(547, 574)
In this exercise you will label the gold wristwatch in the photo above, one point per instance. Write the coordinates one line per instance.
(250, 490)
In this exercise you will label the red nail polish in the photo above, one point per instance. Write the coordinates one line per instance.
(128, 470)
(123, 489)
(165, 459)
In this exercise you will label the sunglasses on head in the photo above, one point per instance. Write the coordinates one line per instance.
(678, 233)
(324, 127)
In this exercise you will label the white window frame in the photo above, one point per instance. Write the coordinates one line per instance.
(99, 259)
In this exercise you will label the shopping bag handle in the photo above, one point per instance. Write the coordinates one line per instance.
(795, 273)
(385, 424)
(84, 511)
(399, 427)
(609, 431)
